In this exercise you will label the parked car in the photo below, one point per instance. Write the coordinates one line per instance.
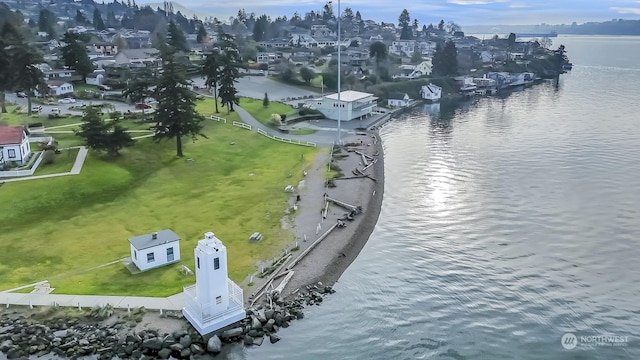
(140, 106)
(67, 101)
(21, 94)
(56, 111)
(36, 108)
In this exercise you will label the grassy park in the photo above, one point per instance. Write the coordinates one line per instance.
(72, 230)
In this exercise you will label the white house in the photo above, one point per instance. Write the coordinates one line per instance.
(267, 57)
(398, 100)
(153, 250)
(403, 47)
(431, 92)
(95, 78)
(14, 145)
(59, 87)
(352, 105)
(214, 301)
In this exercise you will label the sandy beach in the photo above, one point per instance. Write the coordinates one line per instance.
(331, 257)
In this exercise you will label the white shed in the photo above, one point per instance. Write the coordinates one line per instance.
(150, 251)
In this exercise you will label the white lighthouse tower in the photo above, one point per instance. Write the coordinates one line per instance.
(214, 301)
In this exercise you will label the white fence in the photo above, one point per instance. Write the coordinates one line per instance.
(29, 172)
(217, 118)
(242, 125)
(289, 141)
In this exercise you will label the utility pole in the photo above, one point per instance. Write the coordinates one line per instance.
(339, 74)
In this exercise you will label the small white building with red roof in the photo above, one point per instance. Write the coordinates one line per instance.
(14, 145)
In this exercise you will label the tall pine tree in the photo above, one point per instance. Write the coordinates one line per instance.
(230, 72)
(176, 115)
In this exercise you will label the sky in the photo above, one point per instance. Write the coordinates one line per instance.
(463, 12)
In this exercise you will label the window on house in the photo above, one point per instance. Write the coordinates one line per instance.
(218, 300)
(216, 263)
(135, 255)
(198, 262)
(170, 254)
(150, 258)
(11, 153)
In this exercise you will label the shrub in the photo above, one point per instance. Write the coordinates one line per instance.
(283, 117)
(48, 157)
(53, 116)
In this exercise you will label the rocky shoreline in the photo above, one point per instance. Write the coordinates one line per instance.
(104, 333)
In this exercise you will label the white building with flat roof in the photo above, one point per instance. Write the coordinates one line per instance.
(353, 105)
(214, 301)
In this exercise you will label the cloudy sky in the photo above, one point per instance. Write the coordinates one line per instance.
(463, 12)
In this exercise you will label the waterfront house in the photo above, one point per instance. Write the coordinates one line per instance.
(466, 85)
(153, 250)
(431, 92)
(398, 100)
(352, 105)
(14, 145)
(215, 301)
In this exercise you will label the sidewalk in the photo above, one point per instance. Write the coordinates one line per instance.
(75, 170)
(174, 302)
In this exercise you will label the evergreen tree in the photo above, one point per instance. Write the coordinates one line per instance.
(18, 62)
(101, 135)
(176, 115)
(97, 20)
(176, 38)
(327, 11)
(211, 70)
(202, 35)
(445, 59)
(75, 55)
(441, 25)
(230, 72)
(139, 88)
(404, 21)
(265, 101)
(111, 19)
(80, 18)
(378, 50)
(46, 22)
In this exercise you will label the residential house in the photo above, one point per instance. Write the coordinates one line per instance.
(267, 57)
(402, 47)
(352, 105)
(59, 87)
(466, 85)
(136, 56)
(431, 92)
(96, 78)
(153, 250)
(14, 145)
(279, 43)
(108, 49)
(398, 100)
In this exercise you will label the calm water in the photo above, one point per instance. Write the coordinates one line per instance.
(505, 224)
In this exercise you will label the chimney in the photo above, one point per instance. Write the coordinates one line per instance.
(154, 236)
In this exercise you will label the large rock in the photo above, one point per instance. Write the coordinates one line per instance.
(261, 316)
(164, 353)
(153, 343)
(248, 340)
(255, 323)
(231, 333)
(6, 329)
(269, 314)
(176, 347)
(214, 345)
(196, 349)
(61, 334)
(269, 324)
(179, 333)
(273, 338)
(185, 341)
(258, 340)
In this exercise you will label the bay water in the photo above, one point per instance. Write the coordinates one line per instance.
(506, 223)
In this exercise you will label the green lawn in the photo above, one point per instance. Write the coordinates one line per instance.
(63, 163)
(262, 114)
(61, 229)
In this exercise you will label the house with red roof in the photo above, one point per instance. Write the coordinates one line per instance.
(14, 145)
